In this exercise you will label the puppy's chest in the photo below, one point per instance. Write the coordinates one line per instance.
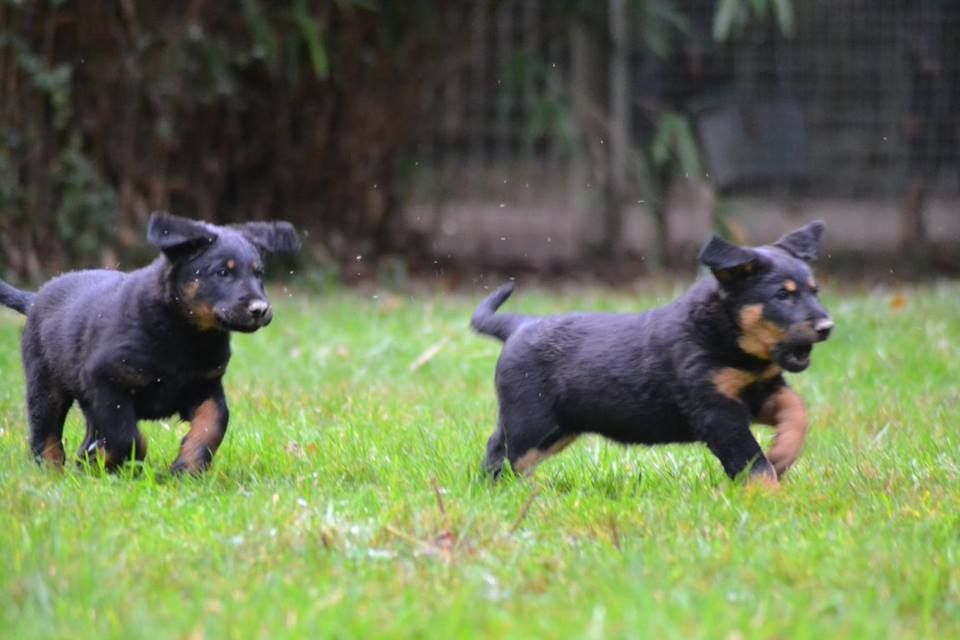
(160, 388)
(736, 383)
(168, 379)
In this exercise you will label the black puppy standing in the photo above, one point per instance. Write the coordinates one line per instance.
(699, 369)
(146, 344)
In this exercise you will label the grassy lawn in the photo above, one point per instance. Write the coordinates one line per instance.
(320, 517)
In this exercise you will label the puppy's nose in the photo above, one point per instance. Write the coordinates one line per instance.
(258, 309)
(823, 327)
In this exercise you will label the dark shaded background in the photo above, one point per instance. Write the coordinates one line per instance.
(551, 136)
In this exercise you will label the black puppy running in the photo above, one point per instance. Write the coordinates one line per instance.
(699, 369)
(146, 344)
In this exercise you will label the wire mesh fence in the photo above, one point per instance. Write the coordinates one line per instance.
(850, 108)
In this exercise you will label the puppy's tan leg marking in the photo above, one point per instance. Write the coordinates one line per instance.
(785, 411)
(529, 460)
(203, 439)
(53, 451)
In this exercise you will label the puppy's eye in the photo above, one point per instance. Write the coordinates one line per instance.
(784, 294)
(224, 273)
(258, 273)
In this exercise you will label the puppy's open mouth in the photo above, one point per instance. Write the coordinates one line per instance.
(795, 357)
(242, 324)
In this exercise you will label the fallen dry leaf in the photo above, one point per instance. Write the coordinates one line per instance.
(898, 302)
(428, 355)
(391, 303)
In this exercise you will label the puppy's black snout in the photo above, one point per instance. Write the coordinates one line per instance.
(823, 327)
(258, 309)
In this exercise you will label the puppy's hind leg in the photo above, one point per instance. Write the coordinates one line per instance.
(94, 441)
(47, 406)
(112, 428)
(527, 435)
(91, 438)
(496, 453)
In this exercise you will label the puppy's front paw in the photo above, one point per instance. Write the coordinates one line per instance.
(763, 475)
(182, 466)
(763, 483)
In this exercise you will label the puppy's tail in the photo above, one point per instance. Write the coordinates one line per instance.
(15, 298)
(487, 321)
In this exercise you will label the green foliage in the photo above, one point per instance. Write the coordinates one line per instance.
(312, 39)
(549, 114)
(223, 111)
(734, 16)
(86, 204)
(286, 36)
(320, 518)
(87, 212)
(659, 25)
(674, 142)
(11, 193)
(659, 30)
(264, 37)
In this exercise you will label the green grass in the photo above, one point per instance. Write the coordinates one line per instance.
(320, 519)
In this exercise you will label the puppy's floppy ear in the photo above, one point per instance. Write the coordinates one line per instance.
(271, 237)
(804, 243)
(178, 237)
(728, 262)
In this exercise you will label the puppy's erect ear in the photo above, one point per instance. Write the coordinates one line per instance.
(272, 237)
(728, 262)
(804, 243)
(178, 237)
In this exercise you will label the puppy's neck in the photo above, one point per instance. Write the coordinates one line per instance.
(714, 326)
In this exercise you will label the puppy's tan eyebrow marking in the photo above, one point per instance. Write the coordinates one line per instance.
(812, 283)
(190, 291)
(790, 286)
(231, 264)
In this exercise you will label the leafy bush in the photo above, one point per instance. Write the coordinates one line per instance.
(225, 111)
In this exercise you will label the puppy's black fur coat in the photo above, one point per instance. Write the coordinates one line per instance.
(146, 344)
(699, 369)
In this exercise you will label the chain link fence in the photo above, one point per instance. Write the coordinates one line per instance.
(841, 115)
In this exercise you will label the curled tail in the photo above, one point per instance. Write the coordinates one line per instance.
(15, 298)
(487, 321)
